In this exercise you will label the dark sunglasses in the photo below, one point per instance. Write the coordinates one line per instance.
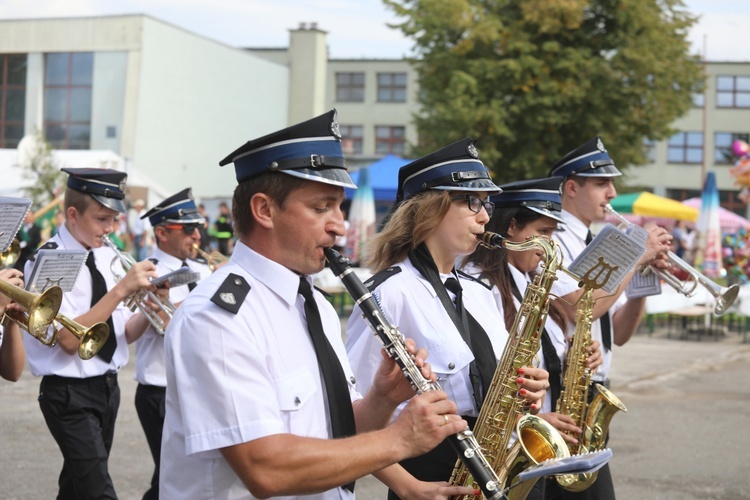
(188, 229)
(476, 203)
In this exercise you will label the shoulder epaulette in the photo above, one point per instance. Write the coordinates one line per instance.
(231, 293)
(200, 259)
(560, 228)
(482, 280)
(379, 278)
(50, 245)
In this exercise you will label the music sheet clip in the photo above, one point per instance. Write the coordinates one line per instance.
(584, 463)
(12, 213)
(612, 254)
(179, 277)
(56, 268)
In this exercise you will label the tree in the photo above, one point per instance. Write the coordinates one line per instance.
(40, 167)
(534, 79)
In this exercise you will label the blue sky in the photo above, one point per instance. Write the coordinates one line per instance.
(357, 28)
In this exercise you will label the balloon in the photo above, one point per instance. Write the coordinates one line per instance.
(740, 148)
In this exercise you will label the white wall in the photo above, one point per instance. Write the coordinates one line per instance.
(198, 100)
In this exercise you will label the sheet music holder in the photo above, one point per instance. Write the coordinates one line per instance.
(179, 277)
(617, 249)
(12, 213)
(646, 283)
(584, 463)
(56, 267)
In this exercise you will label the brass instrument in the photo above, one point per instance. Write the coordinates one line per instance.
(138, 298)
(11, 255)
(503, 410)
(213, 259)
(724, 296)
(593, 418)
(41, 310)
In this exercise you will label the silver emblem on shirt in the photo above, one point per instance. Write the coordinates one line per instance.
(228, 298)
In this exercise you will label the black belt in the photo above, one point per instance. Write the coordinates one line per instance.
(96, 379)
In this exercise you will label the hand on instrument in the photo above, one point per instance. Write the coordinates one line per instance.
(390, 382)
(12, 276)
(659, 241)
(425, 422)
(564, 424)
(595, 356)
(532, 385)
(661, 261)
(139, 277)
(422, 490)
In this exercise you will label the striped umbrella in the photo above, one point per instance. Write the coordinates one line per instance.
(708, 258)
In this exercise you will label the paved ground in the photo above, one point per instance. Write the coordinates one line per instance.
(685, 435)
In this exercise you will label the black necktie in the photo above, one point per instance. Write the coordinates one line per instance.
(550, 355)
(99, 290)
(193, 284)
(482, 369)
(337, 390)
(604, 320)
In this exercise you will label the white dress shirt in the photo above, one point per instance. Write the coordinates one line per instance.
(149, 349)
(54, 361)
(411, 304)
(234, 378)
(572, 239)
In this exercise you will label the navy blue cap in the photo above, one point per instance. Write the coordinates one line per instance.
(539, 195)
(588, 160)
(310, 150)
(179, 208)
(454, 168)
(104, 185)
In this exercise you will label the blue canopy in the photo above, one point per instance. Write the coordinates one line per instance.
(383, 176)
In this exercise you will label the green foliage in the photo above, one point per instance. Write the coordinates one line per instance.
(534, 79)
(41, 168)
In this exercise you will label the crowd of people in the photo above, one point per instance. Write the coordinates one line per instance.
(246, 389)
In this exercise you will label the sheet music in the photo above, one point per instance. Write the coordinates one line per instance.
(612, 250)
(56, 267)
(12, 213)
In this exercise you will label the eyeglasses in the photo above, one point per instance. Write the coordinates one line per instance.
(188, 229)
(476, 203)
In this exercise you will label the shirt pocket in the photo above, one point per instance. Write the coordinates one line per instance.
(295, 389)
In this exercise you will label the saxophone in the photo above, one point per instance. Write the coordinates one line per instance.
(504, 410)
(593, 418)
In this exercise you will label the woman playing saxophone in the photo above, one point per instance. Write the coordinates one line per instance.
(525, 210)
(444, 206)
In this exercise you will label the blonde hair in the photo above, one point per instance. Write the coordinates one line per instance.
(411, 224)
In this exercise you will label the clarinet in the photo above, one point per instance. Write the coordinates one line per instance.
(464, 443)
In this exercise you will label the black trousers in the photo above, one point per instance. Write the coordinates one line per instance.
(149, 404)
(81, 414)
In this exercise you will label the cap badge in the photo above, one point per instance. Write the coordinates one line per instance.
(228, 298)
(472, 150)
(600, 146)
(335, 129)
(122, 185)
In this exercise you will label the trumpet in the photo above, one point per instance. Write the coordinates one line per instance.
(137, 299)
(724, 296)
(213, 259)
(11, 255)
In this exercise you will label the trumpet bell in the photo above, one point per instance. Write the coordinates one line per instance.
(725, 298)
(90, 339)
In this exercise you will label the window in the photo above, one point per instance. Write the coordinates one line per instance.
(389, 140)
(733, 91)
(649, 150)
(68, 79)
(12, 99)
(685, 147)
(351, 139)
(723, 146)
(391, 87)
(350, 87)
(698, 100)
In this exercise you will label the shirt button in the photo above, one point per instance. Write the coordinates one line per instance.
(352, 380)
(237, 281)
(451, 365)
(297, 401)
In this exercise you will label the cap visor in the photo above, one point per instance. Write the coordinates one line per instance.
(113, 203)
(548, 213)
(473, 185)
(333, 176)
